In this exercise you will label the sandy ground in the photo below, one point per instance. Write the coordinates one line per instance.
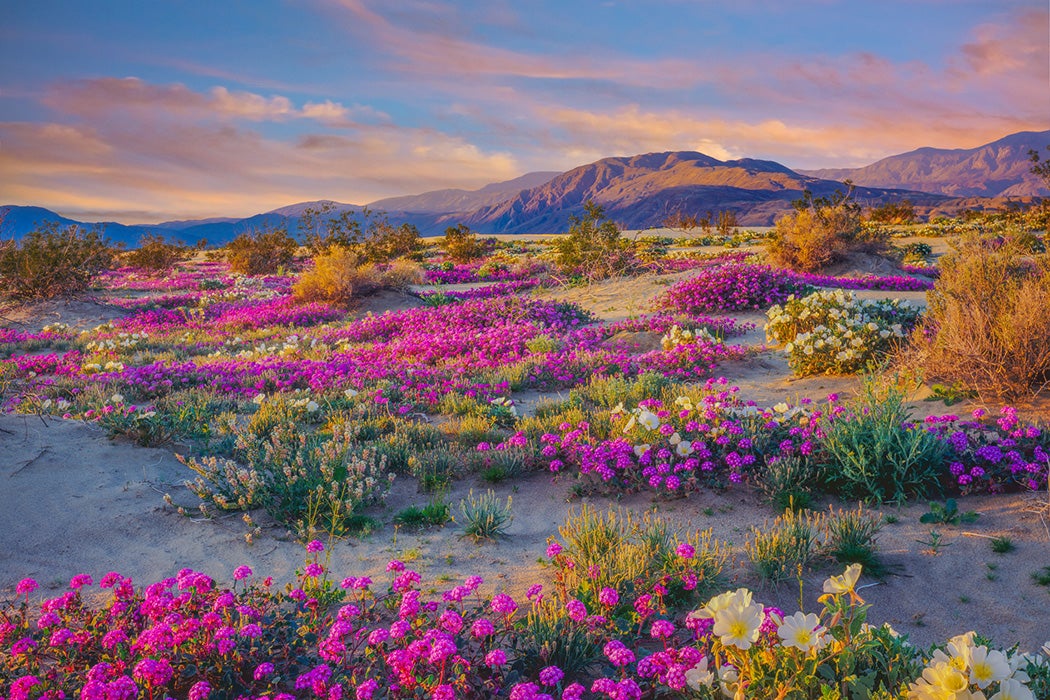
(73, 501)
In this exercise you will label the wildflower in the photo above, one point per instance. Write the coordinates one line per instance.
(608, 597)
(551, 675)
(263, 670)
(802, 631)
(314, 570)
(617, 653)
(1011, 689)
(503, 604)
(939, 679)
(241, 572)
(738, 625)
(662, 629)
(80, 580)
(26, 586)
(576, 609)
(573, 692)
(482, 627)
(153, 672)
(700, 676)
(199, 691)
(315, 546)
(496, 657)
(686, 550)
(846, 583)
(366, 690)
(987, 667)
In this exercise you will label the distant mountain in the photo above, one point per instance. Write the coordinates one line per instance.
(642, 191)
(448, 201)
(997, 169)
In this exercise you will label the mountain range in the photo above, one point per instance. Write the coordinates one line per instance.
(641, 191)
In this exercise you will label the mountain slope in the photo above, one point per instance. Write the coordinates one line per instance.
(641, 191)
(454, 200)
(997, 169)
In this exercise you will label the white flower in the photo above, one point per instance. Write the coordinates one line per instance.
(987, 667)
(648, 420)
(844, 583)
(700, 675)
(259, 398)
(350, 393)
(738, 625)
(727, 679)
(117, 398)
(684, 448)
(1011, 689)
(781, 407)
(640, 450)
(802, 631)
(312, 406)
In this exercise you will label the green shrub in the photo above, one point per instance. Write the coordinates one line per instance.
(875, 454)
(156, 254)
(850, 537)
(386, 242)
(461, 244)
(50, 262)
(615, 549)
(593, 248)
(987, 324)
(261, 252)
(485, 517)
(779, 551)
(435, 513)
(786, 481)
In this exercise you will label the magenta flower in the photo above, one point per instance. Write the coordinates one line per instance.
(686, 551)
(200, 691)
(366, 690)
(551, 675)
(503, 604)
(496, 657)
(315, 546)
(80, 580)
(241, 573)
(608, 597)
(26, 586)
(153, 672)
(262, 670)
(576, 609)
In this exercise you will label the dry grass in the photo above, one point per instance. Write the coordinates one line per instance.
(988, 325)
(338, 276)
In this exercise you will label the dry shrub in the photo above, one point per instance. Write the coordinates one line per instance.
(987, 325)
(261, 252)
(52, 262)
(812, 238)
(155, 254)
(338, 276)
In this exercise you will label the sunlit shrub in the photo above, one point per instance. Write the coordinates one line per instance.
(987, 325)
(52, 262)
(261, 252)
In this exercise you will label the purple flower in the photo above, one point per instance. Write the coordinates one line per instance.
(495, 658)
(551, 675)
(26, 586)
(200, 691)
(153, 672)
(241, 572)
(608, 597)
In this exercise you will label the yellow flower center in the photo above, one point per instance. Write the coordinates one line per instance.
(738, 629)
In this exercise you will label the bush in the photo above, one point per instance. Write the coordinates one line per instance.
(875, 454)
(987, 325)
(593, 248)
(261, 252)
(832, 332)
(782, 550)
(387, 242)
(485, 517)
(461, 245)
(155, 254)
(50, 262)
(334, 278)
(820, 232)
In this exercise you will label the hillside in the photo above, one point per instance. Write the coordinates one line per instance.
(641, 191)
(453, 200)
(997, 169)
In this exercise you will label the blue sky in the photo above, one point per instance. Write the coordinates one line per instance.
(144, 111)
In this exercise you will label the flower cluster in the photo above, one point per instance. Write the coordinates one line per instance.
(832, 332)
(730, 286)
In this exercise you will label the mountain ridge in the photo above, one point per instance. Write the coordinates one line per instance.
(641, 191)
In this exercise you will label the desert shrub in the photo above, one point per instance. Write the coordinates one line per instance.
(156, 254)
(821, 231)
(987, 324)
(786, 481)
(51, 262)
(461, 245)
(874, 453)
(334, 278)
(386, 242)
(485, 517)
(731, 286)
(615, 550)
(850, 535)
(435, 513)
(324, 227)
(893, 213)
(261, 252)
(593, 248)
(312, 483)
(833, 332)
(780, 550)
(339, 274)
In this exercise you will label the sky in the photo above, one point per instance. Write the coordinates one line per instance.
(141, 112)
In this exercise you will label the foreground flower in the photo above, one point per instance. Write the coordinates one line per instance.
(738, 625)
(987, 667)
(700, 676)
(1011, 689)
(802, 631)
(846, 583)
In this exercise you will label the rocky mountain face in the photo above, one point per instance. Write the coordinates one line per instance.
(997, 169)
